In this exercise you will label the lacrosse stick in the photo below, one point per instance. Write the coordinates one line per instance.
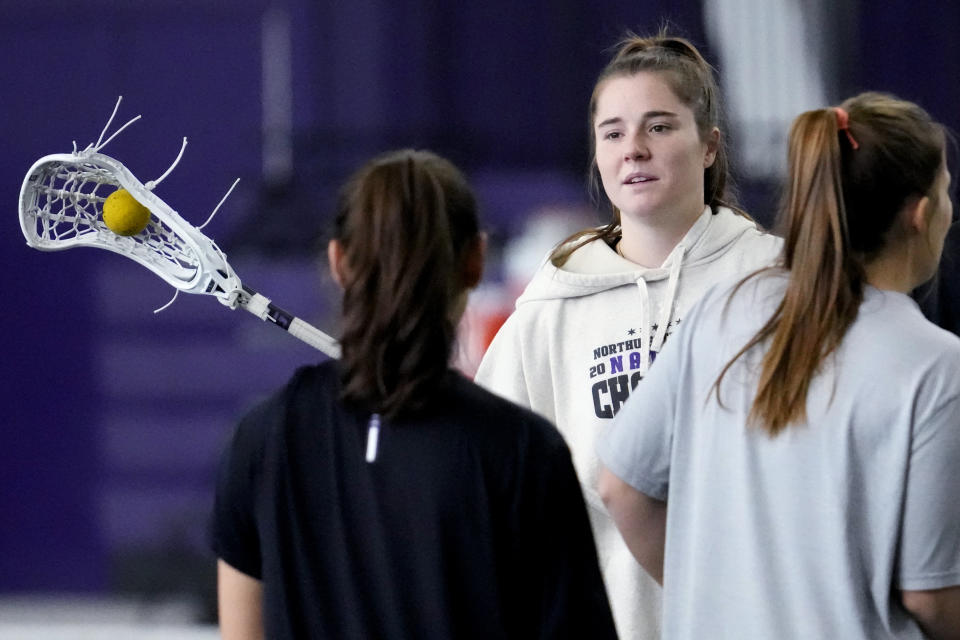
(61, 206)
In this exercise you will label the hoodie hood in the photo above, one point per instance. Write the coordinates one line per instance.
(596, 267)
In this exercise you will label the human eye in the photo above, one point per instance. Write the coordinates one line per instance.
(612, 135)
(660, 127)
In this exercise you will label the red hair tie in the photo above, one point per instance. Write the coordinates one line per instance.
(843, 124)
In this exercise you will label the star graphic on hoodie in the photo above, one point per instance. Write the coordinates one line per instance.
(631, 332)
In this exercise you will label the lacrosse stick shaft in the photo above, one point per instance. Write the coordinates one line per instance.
(261, 307)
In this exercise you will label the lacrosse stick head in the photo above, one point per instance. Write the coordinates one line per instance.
(61, 206)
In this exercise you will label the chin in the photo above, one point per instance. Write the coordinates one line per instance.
(640, 212)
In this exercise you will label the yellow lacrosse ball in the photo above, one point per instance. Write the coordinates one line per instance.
(123, 214)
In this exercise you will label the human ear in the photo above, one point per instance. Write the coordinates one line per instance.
(335, 257)
(916, 213)
(712, 145)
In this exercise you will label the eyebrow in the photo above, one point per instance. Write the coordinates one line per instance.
(646, 116)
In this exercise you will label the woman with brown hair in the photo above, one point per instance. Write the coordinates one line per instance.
(790, 468)
(599, 311)
(384, 495)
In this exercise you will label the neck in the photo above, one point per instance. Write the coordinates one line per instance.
(648, 242)
(895, 269)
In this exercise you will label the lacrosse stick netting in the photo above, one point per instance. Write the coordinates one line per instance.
(61, 204)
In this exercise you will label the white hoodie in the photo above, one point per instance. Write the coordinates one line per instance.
(582, 337)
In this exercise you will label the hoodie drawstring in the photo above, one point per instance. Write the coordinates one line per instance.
(644, 326)
(650, 344)
(669, 300)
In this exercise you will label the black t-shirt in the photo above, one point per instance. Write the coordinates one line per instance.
(469, 523)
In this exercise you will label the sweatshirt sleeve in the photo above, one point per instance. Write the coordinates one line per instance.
(929, 546)
(501, 369)
(233, 527)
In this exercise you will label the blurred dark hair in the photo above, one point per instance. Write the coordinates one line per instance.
(404, 221)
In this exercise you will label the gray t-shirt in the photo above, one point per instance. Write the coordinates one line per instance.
(812, 533)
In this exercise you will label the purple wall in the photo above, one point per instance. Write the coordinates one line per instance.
(115, 415)
(192, 70)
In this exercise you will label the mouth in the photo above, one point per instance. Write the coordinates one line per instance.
(639, 178)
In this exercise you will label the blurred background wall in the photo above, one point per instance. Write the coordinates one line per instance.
(114, 416)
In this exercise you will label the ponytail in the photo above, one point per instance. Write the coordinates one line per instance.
(850, 172)
(403, 221)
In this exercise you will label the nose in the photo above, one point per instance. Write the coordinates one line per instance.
(637, 149)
